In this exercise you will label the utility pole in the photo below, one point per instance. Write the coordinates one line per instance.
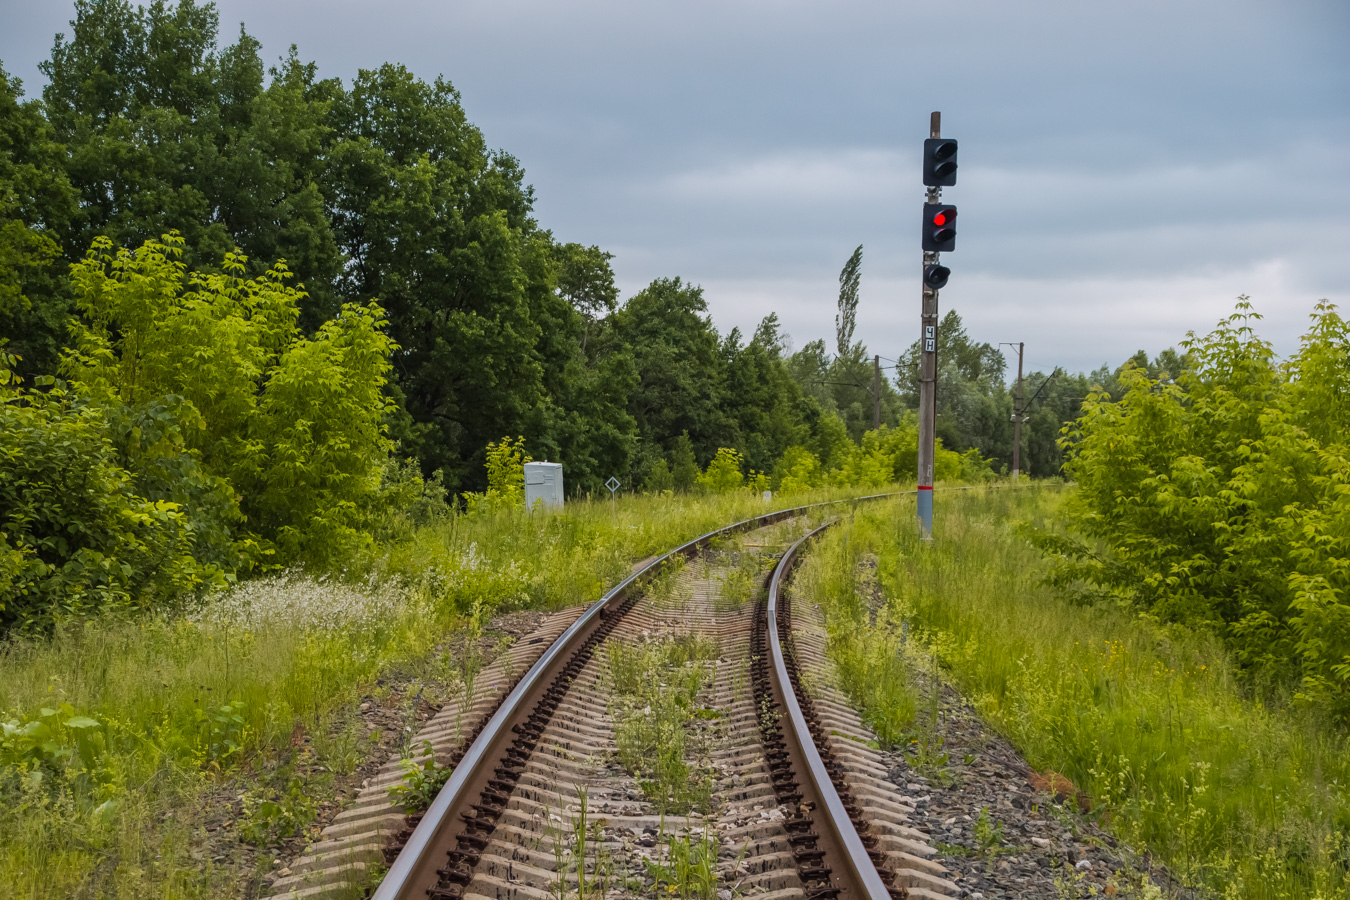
(876, 392)
(1017, 417)
(939, 233)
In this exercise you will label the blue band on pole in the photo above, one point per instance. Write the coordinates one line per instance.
(925, 504)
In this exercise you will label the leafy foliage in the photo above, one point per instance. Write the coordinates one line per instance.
(506, 461)
(847, 317)
(723, 473)
(1220, 500)
(200, 434)
(37, 203)
(75, 536)
(295, 426)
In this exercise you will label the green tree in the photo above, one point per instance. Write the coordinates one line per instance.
(684, 469)
(1219, 500)
(768, 409)
(439, 228)
(974, 406)
(37, 203)
(681, 368)
(294, 427)
(847, 317)
(588, 372)
(166, 132)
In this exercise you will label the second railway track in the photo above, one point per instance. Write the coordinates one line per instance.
(792, 799)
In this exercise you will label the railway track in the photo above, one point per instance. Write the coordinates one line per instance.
(563, 784)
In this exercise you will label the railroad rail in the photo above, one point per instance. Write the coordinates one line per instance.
(837, 860)
(812, 838)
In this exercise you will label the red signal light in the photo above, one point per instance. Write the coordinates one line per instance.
(940, 219)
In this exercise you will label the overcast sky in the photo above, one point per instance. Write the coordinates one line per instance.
(1126, 169)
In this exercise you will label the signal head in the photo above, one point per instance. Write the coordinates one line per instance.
(939, 162)
(935, 277)
(939, 227)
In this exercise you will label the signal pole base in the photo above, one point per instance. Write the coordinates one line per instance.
(925, 504)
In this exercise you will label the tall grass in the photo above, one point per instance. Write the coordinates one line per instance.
(119, 736)
(864, 637)
(1233, 789)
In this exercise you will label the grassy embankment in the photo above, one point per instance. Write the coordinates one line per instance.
(1248, 796)
(122, 734)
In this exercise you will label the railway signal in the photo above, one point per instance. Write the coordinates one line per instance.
(939, 162)
(939, 227)
(939, 236)
(935, 277)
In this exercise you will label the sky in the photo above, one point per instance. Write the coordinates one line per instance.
(1127, 169)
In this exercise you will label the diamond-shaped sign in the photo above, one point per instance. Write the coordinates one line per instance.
(613, 484)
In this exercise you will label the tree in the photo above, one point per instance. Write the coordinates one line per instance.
(846, 318)
(37, 203)
(1219, 500)
(769, 410)
(681, 368)
(974, 406)
(439, 228)
(165, 132)
(683, 466)
(254, 425)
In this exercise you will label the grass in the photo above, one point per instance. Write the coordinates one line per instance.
(657, 683)
(689, 868)
(863, 640)
(121, 740)
(1237, 791)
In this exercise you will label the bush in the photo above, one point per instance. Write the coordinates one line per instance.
(75, 537)
(798, 469)
(723, 473)
(279, 433)
(200, 435)
(506, 461)
(1221, 500)
(888, 454)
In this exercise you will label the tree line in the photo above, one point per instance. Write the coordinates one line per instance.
(382, 189)
(225, 284)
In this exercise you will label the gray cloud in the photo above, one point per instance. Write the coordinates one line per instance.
(1127, 169)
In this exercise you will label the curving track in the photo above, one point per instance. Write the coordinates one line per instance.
(800, 805)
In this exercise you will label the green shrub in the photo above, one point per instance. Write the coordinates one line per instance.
(274, 443)
(75, 537)
(506, 461)
(887, 455)
(798, 469)
(723, 473)
(1221, 500)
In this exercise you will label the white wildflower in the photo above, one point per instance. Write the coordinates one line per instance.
(292, 598)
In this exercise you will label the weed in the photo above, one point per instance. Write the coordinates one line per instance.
(222, 730)
(656, 685)
(422, 780)
(988, 834)
(689, 869)
(271, 815)
(341, 749)
(1244, 796)
(291, 647)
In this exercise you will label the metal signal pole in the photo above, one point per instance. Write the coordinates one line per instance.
(928, 375)
(1017, 417)
(876, 392)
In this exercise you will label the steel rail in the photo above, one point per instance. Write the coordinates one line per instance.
(866, 882)
(412, 873)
